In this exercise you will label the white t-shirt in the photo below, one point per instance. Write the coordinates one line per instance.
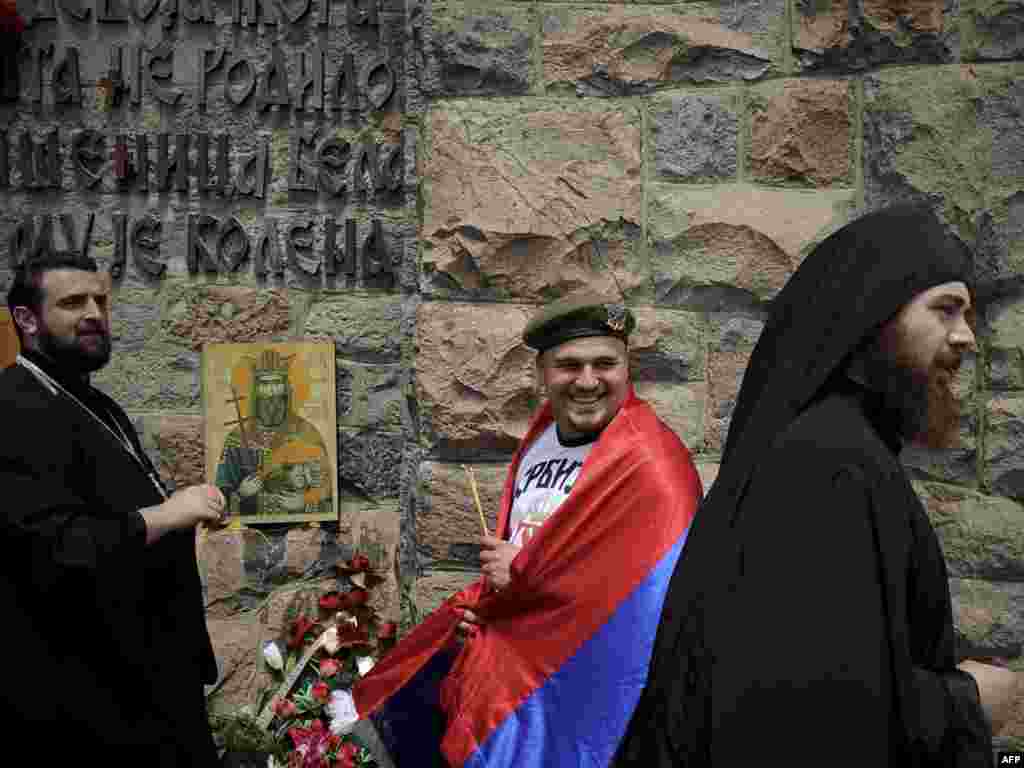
(546, 475)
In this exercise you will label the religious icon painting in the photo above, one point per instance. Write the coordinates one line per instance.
(9, 346)
(271, 421)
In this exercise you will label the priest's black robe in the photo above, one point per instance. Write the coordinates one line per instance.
(808, 620)
(105, 645)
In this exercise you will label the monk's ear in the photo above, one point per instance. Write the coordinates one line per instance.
(26, 320)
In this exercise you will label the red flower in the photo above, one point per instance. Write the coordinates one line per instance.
(357, 597)
(347, 755)
(283, 708)
(332, 601)
(360, 563)
(387, 630)
(329, 668)
(301, 626)
(321, 693)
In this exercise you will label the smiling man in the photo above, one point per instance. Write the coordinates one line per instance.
(809, 620)
(106, 639)
(541, 661)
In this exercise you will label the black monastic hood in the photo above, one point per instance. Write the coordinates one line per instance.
(851, 284)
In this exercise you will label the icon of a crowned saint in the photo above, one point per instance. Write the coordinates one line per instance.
(274, 462)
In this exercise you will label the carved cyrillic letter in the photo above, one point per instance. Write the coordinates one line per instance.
(332, 157)
(146, 236)
(87, 147)
(232, 245)
(205, 69)
(163, 53)
(179, 163)
(299, 242)
(197, 253)
(311, 77)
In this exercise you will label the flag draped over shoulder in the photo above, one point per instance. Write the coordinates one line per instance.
(558, 665)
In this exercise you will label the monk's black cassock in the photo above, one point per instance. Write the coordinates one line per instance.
(808, 621)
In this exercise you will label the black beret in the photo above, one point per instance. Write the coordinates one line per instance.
(578, 316)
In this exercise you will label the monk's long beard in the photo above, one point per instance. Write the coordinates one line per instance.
(923, 404)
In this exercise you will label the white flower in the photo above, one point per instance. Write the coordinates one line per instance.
(272, 763)
(330, 641)
(344, 617)
(364, 664)
(342, 710)
(272, 655)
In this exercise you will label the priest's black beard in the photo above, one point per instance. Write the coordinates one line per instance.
(922, 403)
(72, 357)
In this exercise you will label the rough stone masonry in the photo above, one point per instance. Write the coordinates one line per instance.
(408, 179)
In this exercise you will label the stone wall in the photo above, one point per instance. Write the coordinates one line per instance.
(686, 155)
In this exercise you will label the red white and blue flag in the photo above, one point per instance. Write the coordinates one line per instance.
(553, 675)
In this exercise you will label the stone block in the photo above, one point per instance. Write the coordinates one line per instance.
(531, 199)
(363, 328)
(237, 647)
(371, 396)
(177, 447)
(992, 29)
(369, 465)
(474, 377)
(725, 369)
(1004, 321)
(220, 556)
(801, 132)
(695, 137)
(158, 377)
(667, 346)
(632, 50)
(303, 553)
(680, 406)
(134, 318)
(953, 137)
(1006, 369)
(979, 534)
(482, 49)
(198, 314)
(1004, 446)
(846, 36)
(434, 587)
(958, 463)
(730, 247)
(447, 521)
(989, 617)
(375, 533)
(264, 558)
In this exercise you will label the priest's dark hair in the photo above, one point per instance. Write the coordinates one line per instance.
(27, 287)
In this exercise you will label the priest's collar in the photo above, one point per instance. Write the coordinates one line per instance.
(70, 380)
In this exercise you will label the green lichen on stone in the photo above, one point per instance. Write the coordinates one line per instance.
(977, 532)
(151, 119)
(490, 25)
(949, 152)
(984, 606)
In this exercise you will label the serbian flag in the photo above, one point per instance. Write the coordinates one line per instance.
(553, 675)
